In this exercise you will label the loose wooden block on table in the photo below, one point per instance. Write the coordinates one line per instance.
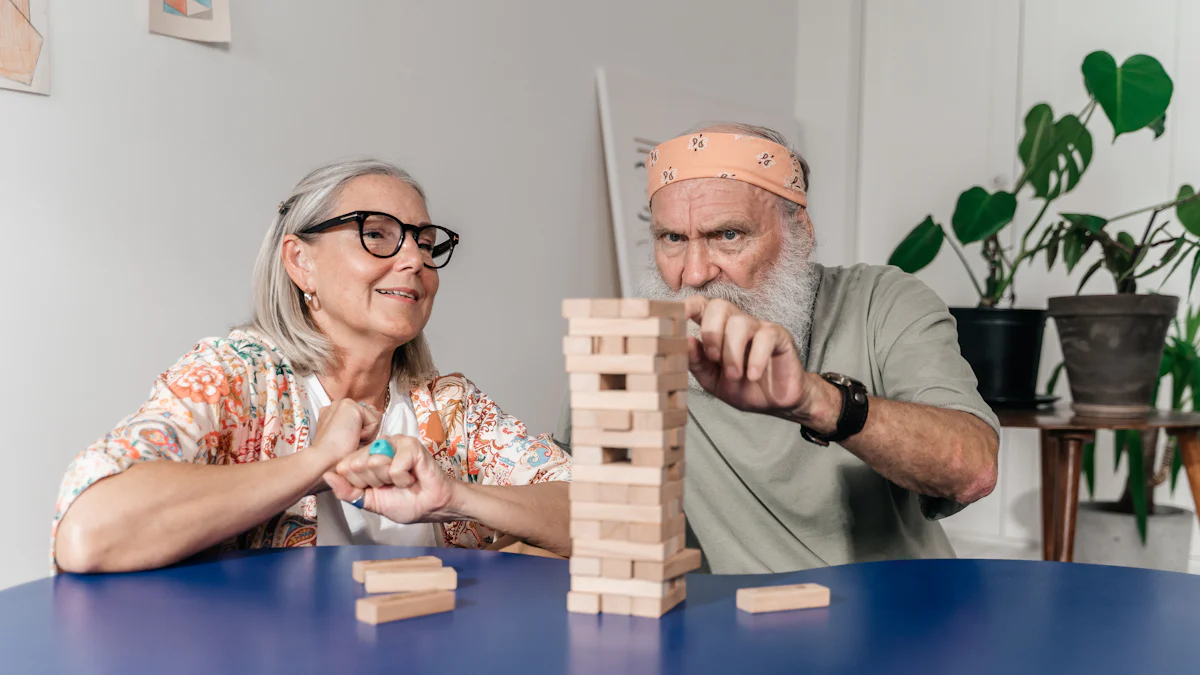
(425, 562)
(606, 548)
(652, 327)
(663, 382)
(677, 565)
(667, 346)
(781, 598)
(621, 364)
(609, 420)
(384, 608)
(649, 401)
(583, 603)
(637, 308)
(380, 581)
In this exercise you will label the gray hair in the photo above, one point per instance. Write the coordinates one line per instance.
(279, 311)
(788, 208)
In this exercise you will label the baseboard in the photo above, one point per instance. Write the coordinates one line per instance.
(968, 545)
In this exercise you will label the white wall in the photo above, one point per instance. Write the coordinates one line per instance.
(134, 198)
(944, 86)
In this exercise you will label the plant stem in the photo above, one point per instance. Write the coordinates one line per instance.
(1156, 207)
(963, 259)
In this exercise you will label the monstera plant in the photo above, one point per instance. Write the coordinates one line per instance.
(1003, 343)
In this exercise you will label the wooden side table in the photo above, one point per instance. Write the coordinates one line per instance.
(1062, 437)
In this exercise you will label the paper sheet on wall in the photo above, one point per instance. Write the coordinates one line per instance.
(200, 20)
(25, 46)
(637, 114)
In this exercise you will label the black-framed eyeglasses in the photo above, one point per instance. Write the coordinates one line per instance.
(382, 235)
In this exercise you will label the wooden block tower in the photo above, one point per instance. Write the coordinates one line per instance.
(627, 362)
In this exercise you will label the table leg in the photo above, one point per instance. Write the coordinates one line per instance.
(1049, 450)
(1066, 491)
(1189, 449)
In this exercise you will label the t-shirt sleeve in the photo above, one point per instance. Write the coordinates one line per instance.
(916, 346)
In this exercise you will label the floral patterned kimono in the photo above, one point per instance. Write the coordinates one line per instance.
(234, 400)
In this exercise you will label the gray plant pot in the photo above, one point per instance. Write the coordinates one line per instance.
(1104, 536)
(1112, 346)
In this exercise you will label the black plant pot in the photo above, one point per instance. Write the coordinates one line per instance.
(1004, 347)
(1112, 346)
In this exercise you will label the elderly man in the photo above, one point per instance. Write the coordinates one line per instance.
(832, 419)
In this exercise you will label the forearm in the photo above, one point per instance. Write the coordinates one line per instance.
(930, 450)
(537, 514)
(157, 513)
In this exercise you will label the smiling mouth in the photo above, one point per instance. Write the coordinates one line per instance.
(400, 294)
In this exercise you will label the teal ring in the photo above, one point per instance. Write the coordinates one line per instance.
(382, 447)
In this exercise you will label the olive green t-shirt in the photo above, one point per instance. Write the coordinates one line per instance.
(759, 498)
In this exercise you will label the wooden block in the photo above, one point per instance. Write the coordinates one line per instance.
(653, 327)
(585, 492)
(652, 533)
(677, 401)
(579, 345)
(663, 382)
(385, 608)
(674, 472)
(621, 400)
(670, 419)
(585, 529)
(612, 344)
(616, 604)
(620, 472)
(599, 529)
(609, 420)
(653, 608)
(638, 308)
(655, 494)
(584, 566)
(625, 363)
(638, 588)
(380, 581)
(781, 598)
(590, 454)
(656, 345)
(626, 513)
(583, 603)
(596, 382)
(655, 456)
(667, 438)
(604, 548)
(425, 562)
(613, 493)
(591, 308)
(616, 568)
(676, 566)
(577, 308)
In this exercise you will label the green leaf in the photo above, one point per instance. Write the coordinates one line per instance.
(1052, 248)
(1088, 275)
(1055, 154)
(1133, 95)
(1087, 221)
(1188, 212)
(1075, 244)
(1163, 261)
(1089, 468)
(1195, 270)
(979, 215)
(1159, 125)
(920, 247)
(1119, 443)
(1052, 383)
(1137, 481)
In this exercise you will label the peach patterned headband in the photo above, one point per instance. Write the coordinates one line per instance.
(749, 159)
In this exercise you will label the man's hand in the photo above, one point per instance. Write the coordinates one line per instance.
(753, 365)
(407, 488)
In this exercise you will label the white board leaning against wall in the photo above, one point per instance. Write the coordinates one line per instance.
(637, 114)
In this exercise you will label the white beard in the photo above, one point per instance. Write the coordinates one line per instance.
(785, 296)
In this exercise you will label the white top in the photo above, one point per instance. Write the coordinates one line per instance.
(340, 523)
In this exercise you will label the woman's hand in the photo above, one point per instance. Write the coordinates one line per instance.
(407, 488)
(343, 427)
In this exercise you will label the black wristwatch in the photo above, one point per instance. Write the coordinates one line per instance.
(854, 411)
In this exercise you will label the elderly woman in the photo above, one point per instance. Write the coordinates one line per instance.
(273, 436)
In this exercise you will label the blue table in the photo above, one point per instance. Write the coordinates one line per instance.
(292, 611)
